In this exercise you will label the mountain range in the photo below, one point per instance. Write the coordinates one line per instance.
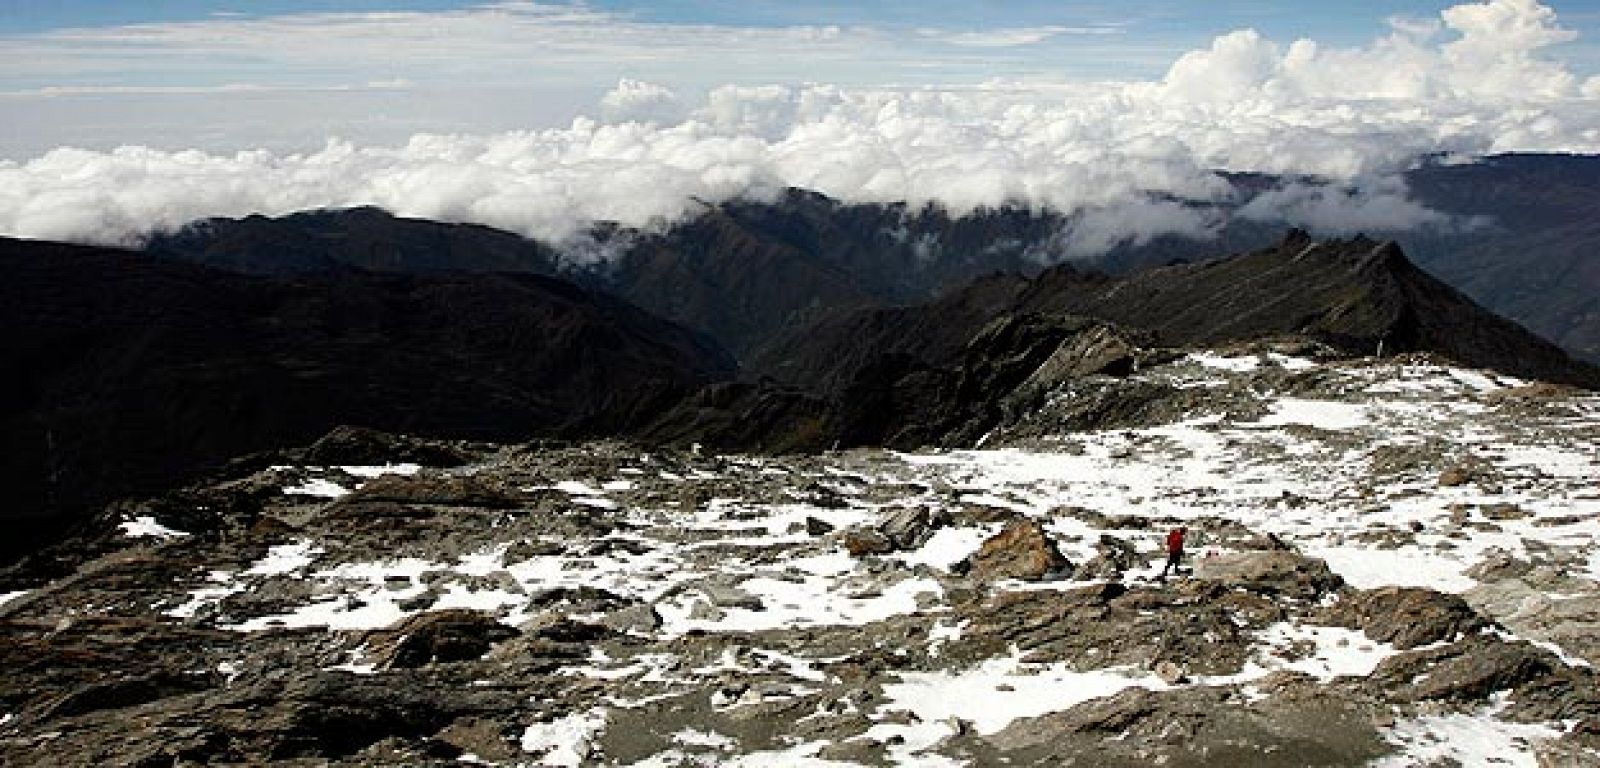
(132, 370)
(1516, 233)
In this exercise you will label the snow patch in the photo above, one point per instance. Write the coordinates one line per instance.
(1322, 414)
(370, 472)
(285, 558)
(566, 741)
(1469, 740)
(1371, 567)
(146, 527)
(1226, 363)
(1334, 651)
(1002, 690)
(690, 737)
(947, 546)
(318, 488)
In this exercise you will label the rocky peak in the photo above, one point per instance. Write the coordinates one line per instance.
(1353, 294)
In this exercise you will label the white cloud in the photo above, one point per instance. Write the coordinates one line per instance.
(1124, 157)
(64, 91)
(1134, 222)
(639, 101)
(1379, 205)
(1011, 37)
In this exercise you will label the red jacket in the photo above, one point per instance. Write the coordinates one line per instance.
(1175, 541)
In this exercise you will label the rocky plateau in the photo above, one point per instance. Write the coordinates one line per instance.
(1395, 562)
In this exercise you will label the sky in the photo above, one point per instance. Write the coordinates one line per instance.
(117, 118)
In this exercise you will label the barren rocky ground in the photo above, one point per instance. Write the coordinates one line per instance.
(1395, 563)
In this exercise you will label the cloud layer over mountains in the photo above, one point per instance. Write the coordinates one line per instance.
(1122, 155)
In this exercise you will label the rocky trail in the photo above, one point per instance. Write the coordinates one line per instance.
(1395, 563)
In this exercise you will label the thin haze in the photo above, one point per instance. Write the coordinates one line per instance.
(467, 113)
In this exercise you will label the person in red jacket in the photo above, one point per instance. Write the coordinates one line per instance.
(1174, 551)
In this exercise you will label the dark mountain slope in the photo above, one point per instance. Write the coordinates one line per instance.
(364, 238)
(744, 271)
(936, 332)
(714, 274)
(1350, 294)
(950, 372)
(1518, 192)
(740, 271)
(124, 373)
(1548, 280)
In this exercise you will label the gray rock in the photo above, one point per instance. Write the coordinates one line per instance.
(439, 636)
(1271, 572)
(907, 527)
(641, 617)
(1406, 617)
(729, 596)
(818, 527)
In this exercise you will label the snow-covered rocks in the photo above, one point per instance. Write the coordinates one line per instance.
(598, 604)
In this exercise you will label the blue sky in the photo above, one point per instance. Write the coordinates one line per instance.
(117, 116)
(288, 73)
(1344, 21)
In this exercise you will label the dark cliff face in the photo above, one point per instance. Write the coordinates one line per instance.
(123, 373)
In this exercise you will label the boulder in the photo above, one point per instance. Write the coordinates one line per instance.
(640, 617)
(438, 636)
(861, 542)
(1271, 572)
(558, 628)
(1504, 511)
(818, 527)
(1498, 565)
(1193, 726)
(1467, 672)
(1113, 556)
(730, 596)
(1453, 477)
(1023, 551)
(1170, 673)
(1406, 617)
(908, 527)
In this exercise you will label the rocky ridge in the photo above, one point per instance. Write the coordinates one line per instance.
(1387, 554)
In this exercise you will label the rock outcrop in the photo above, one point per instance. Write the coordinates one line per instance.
(1271, 572)
(1023, 550)
(1407, 617)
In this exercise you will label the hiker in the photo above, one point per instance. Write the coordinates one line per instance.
(1174, 551)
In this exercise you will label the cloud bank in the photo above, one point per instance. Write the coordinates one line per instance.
(1124, 157)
